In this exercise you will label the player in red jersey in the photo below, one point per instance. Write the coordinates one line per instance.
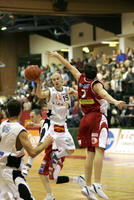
(93, 129)
(36, 122)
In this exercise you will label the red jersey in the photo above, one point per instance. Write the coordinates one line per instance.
(89, 100)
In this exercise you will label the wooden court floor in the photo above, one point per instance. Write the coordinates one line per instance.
(117, 177)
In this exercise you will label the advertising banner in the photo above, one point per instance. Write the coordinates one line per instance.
(126, 142)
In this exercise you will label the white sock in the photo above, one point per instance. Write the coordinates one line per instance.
(61, 154)
(30, 160)
(75, 179)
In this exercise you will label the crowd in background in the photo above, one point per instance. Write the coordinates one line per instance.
(115, 71)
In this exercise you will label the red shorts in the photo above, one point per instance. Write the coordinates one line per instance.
(93, 131)
(46, 164)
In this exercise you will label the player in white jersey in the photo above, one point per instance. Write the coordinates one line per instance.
(13, 141)
(58, 100)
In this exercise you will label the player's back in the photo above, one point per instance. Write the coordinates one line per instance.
(9, 132)
(89, 100)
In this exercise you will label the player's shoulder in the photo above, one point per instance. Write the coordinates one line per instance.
(66, 88)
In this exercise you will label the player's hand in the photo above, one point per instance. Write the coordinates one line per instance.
(73, 92)
(121, 104)
(48, 140)
(38, 81)
(52, 53)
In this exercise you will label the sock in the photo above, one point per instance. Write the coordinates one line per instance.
(61, 154)
(75, 179)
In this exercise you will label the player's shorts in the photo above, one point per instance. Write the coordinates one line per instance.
(14, 185)
(93, 131)
(62, 138)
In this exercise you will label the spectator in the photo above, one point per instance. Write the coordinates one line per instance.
(121, 57)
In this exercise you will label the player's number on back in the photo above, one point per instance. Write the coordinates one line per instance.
(84, 93)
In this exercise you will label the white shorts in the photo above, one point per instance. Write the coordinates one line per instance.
(62, 138)
(13, 185)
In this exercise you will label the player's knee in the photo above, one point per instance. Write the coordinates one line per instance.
(24, 192)
(70, 151)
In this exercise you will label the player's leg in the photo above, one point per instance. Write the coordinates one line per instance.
(17, 185)
(65, 143)
(89, 166)
(98, 163)
(46, 184)
(44, 172)
(80, 180)
(86, 191)
(84, 139)
(5, 192)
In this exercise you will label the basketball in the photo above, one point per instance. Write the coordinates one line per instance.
(32, 72)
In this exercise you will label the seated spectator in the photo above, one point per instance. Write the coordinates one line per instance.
(27, 105)
(127, 115)
(65, 77)
(121, 57)
(114, 56)
(79, 65)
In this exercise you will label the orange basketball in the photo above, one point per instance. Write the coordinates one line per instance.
(32, 72)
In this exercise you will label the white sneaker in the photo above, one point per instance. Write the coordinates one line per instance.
(88, 193)
(97, 189)
(49, 197)
(80, 180)
(26, 169)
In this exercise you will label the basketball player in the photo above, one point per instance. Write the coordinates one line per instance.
(93, 129)
(58, 100)
(13, 141)
(36, 121)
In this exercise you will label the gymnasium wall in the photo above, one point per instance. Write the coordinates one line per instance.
(128, 23)
(40, 44)
(11, 46)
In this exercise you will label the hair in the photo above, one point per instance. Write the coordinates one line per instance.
(90, 70)
(13, 107)
(37, 112)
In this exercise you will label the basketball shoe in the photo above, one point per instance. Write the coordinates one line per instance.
(97, 189)
(26, 169)
(49, 197)
(80, 180)
(88, 193)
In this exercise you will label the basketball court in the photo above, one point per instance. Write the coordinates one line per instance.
(117, 177)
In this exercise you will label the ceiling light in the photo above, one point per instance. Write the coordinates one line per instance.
(110, 43)
(64, 50)
(85, 49)
(3, 28)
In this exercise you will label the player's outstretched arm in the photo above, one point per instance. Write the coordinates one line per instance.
(98, 88)
(36, 125)
(70, 67)
(23, 138)
(41, 94)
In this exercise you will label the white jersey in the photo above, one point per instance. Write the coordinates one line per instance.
(8, 136)
(58, 104)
